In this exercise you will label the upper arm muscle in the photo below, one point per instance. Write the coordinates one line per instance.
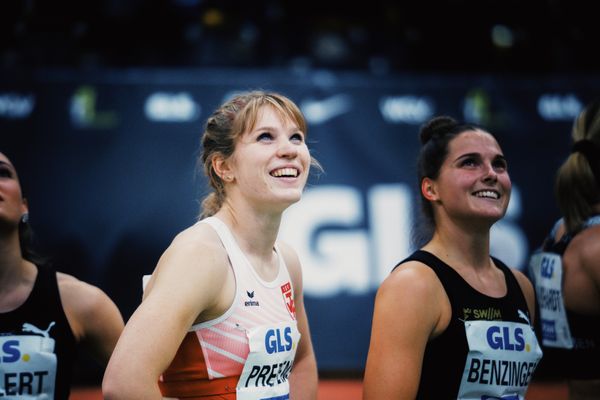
(407, 312)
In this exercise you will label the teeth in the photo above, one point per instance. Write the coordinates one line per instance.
(285, 172)
(488, 194)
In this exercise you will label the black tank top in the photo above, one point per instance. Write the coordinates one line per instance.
(583, 360)
(37, 345)
(446, 355)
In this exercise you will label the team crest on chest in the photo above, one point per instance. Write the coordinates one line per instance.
(286, 291)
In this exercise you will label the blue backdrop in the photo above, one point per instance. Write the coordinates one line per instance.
(108, 161)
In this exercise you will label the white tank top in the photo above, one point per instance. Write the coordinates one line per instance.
(256, 338)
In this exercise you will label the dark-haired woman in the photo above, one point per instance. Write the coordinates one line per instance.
(451, 321)
(45, 316)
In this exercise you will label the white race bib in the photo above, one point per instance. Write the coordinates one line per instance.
(501, 361)
(269, 363)
(547, 272)
(27, 367)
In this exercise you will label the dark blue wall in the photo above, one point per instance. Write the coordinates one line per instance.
(108, 163)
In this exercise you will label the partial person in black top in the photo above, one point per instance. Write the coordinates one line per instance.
(451, 321)
(44, 315)
(570, 312)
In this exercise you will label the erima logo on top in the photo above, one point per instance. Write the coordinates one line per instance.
(251, 302)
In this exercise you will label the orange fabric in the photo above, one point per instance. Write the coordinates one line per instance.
(187, 376)
(189, 362)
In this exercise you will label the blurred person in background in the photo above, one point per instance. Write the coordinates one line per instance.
(451, 321)
(45, 315)
(566, 269)
(223, 313)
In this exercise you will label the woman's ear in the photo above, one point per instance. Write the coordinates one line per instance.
(428, 189)
(25, 206)
(222, 168)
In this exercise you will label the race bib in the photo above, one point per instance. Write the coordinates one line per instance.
(269, 363)
(547, 272)
(501, 361)
(27, 367)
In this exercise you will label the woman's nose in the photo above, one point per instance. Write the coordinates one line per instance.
(287, 149)
(490, 173)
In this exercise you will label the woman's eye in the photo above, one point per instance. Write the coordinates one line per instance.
(468, 162)
(500, 165)
(297, 137)
(264, 136)
(5, 173)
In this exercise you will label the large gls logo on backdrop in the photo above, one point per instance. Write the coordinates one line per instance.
(348, 246)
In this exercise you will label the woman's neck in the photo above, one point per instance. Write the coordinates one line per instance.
(255, 232)
(13, 268)
(461, 245)
(10, 251)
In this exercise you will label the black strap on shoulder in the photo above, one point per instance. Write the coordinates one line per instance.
(421, 256)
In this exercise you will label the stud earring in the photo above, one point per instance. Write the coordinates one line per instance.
(25, 218)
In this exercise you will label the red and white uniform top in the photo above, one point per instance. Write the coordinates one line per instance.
(248, 352)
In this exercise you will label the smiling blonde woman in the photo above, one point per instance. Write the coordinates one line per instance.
(223, 314)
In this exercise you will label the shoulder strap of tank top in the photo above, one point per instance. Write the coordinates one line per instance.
(234, 252)
(46, 282)
(282, 263)
(510, 276)
(555, 228)
(438, 266)
(284, 272)
(38, 295)
(420, 255)
(560, 246)
(46, 296)
(512, 282)
(44, 293)
(551, 244)
(594, 220)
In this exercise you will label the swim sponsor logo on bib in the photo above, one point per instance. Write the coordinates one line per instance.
(269, 363)
(501, 360)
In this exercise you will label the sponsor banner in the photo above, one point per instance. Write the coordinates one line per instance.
(125, 145)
